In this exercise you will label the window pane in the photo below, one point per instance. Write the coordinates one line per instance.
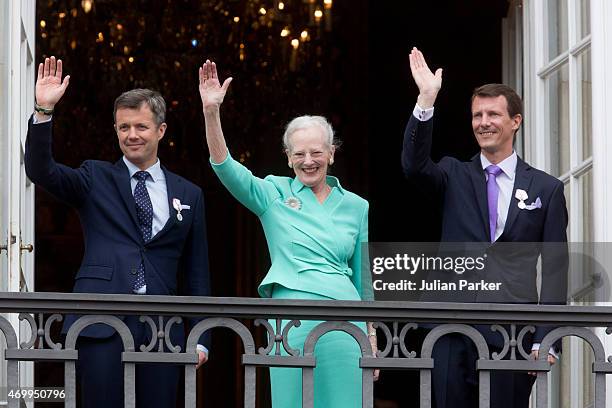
(557, 27)
(568, 204)
(586, 191)
(584, 65)
(4, 29)
(558, 114)
(585, 18)
(587, 206)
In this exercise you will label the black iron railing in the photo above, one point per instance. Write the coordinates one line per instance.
(394, 320)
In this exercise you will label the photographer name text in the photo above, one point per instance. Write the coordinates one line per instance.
(436, 285)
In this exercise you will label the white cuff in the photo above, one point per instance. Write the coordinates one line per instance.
(422, 114)
(35, 120)
(201, 348)
(552, 352)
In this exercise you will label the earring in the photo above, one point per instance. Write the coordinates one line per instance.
(331, 161)
(290, 165)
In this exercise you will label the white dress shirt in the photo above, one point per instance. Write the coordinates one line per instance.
(505, 183)
(158, 192)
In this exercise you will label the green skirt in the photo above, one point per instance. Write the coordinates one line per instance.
(337, 376)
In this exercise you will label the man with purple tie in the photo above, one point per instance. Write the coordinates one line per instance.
(495, 198)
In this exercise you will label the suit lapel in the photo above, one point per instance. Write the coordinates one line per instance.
(176, 189)
(121, 176)
(523, 181)
(479, 182)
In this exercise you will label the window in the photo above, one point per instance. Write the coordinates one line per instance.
(566, 72)
(558, 70)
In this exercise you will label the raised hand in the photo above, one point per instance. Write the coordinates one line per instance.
(429, 84)
(49, 85)
(211, 91)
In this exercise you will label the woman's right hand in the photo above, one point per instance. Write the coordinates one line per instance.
(211, 91)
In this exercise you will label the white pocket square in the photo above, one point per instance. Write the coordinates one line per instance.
(536, 204)
(522, 195)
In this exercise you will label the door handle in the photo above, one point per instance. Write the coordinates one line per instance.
(28, 247)
(5, 246)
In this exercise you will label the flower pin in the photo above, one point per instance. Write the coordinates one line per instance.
(521, 195)
(294, 203)
(176, 203)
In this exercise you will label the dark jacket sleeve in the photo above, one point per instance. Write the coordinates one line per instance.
(416, 157)
(65, 183)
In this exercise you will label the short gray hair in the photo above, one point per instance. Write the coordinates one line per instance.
(136, 97)
(307, 122)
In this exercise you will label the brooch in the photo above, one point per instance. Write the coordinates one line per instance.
(176, 203)
(294, 203)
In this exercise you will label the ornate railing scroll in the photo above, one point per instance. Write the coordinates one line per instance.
(394, 322)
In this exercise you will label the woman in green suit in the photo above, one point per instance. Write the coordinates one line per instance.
(314, 229)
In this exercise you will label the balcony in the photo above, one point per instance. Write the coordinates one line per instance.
(395, 320)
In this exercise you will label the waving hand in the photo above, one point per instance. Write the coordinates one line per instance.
(429, 83)
(49, 85)
(211, 91)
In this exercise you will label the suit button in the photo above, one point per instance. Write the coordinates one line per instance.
(134, 271)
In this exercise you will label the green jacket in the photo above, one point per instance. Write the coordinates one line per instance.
(314, 247)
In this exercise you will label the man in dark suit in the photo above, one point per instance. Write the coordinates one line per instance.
(143, 228)
(495, 198)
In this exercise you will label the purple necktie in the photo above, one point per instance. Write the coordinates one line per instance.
(492, 194)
